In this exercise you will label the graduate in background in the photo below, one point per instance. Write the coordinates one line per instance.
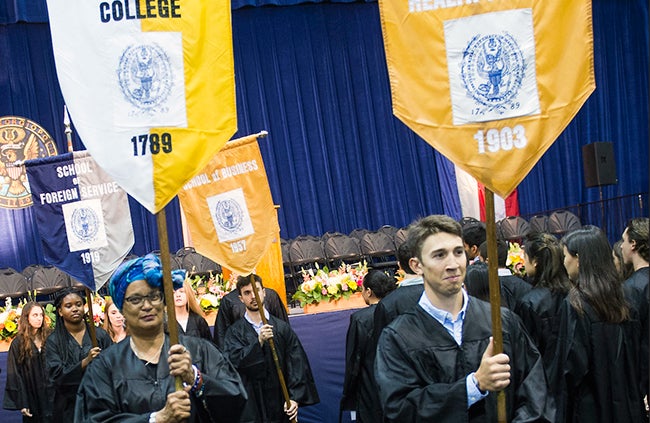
(359, 387)
(114, 322)
(26, 387)
(539, 308)
(135, 379)
(232, 309)
(247, 346)
(190, 317)
(596, 374)
(69, 351)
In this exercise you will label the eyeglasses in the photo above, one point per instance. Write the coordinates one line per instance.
(154, 297)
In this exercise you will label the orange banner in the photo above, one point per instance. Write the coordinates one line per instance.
(229, 209)
(489, 84)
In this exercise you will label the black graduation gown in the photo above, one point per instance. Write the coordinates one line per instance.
(399, 301)
(636, 290)
(26, 385)
(64, 369)
(513, 289)
(196, 326)
(421, 370)
(595, 377)
(257, 368)
(539, 311)
(119, 387)
(232, 309)
(359, 386)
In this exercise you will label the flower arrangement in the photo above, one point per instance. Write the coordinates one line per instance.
(515, 260)
(211, 288)
(98, 307)
(330, 285)
(9, 317)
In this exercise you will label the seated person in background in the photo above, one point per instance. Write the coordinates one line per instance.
(359, 387)
(135, 379)
(190, 317)
(513, 288)
(232, 309)
(436, 363)
(247, 346)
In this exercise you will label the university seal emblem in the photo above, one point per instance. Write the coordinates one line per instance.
(492, 71)
(85, 224)
(229, 216)
(20, 140)
(145, 77)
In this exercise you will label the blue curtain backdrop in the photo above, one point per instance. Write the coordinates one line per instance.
(314, 75)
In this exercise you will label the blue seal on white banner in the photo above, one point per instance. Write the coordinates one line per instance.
(492, 71)
(145, 76)
(229, 216)
(85, 224)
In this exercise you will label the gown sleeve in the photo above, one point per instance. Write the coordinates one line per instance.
(204, 328)
(300, 380)
(352, 366)
(15, 388)
(61, 373)
(223, 321)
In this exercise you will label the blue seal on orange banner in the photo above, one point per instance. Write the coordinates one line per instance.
(229, 216)
(492, 71)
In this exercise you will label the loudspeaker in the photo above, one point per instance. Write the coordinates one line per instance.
(598, 164)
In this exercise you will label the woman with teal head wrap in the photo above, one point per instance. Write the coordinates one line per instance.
(135, 378)
(147, 268)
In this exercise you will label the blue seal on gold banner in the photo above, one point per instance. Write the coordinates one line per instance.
(85, 224)
(145, 76)
(229, 216)
(492, 71)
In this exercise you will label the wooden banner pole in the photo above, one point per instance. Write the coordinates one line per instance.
(168, 287)
(91, 325)
(283, 384)
(495, 292)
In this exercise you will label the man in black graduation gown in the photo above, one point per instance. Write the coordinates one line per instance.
(401, 300)
(247, 345)
(232, 309)
(636, 252)
(436, 363)
(359, 386)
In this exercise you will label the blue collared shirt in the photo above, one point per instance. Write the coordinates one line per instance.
(257, 326)
(455, 329)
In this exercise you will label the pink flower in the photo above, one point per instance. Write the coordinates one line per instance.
(323, 291)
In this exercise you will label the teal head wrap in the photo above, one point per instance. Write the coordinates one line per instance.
(147, 268)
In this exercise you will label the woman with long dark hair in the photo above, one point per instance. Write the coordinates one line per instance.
(596, 376)
(539, 308)
(69, 351)
(26, 382)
